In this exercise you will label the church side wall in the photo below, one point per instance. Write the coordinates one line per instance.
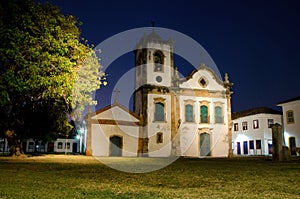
(101, 134)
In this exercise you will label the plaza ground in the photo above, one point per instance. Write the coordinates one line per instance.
(60, 176)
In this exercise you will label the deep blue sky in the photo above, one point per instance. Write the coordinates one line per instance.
(256, 42)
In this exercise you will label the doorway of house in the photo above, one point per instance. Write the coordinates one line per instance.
(292, 141)
(246, 147)
(238, 148)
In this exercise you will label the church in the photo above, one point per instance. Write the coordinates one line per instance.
(172, 115)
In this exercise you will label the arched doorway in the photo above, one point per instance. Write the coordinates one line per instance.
(204, 144)
(115, 146)
(292, 142)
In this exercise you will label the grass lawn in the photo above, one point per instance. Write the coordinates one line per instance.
(60, 176)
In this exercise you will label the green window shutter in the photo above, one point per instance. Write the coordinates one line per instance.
(189, 113)
(204, 114)
(218, 114)
(159, 112)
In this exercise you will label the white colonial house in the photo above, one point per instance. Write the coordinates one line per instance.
(172, 116)
(60, 145)
(291, 124)
(252, 130)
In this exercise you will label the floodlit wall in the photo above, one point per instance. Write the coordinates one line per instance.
(246, 139)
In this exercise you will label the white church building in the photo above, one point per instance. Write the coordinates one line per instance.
(172, 116)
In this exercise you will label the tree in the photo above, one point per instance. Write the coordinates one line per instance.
(46, 74)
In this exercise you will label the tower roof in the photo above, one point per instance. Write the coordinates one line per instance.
(153, 37)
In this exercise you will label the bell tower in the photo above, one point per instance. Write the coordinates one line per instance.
(154, 62)
(154, 71)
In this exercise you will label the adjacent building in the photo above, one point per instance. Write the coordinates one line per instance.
(291, 124)
(60, 145)
(252, 130)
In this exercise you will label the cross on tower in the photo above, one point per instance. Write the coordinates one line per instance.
(116, 96)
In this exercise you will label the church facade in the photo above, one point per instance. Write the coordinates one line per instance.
(172, 116)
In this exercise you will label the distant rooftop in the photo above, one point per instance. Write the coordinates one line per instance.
(255, 111)
(289, 100)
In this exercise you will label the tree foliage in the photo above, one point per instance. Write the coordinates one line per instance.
(46, 74)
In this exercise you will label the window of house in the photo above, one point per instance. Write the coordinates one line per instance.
(159, 138)
(1, 144)
(67, 145)
(255, 124)
(251, 144)
(30, 145)
(60, 145)
(204, 114)
(270, 123)
(290, 117)
(258, 144)
(159, 112)
(245, 126)
(236, 126)
(218, 114)
(189, 113)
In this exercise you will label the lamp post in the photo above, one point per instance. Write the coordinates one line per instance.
(79, 137)
(66, 146)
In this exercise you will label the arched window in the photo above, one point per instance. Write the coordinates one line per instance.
(189, 113)
(218, 114)
(159, 112)
(158, 58)
(204, 114)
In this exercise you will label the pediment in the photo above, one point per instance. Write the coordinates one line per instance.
(203, 78)
(115, 112)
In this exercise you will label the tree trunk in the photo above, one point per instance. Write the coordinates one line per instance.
(15, 143)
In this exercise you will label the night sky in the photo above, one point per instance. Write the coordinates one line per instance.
(256, 42)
